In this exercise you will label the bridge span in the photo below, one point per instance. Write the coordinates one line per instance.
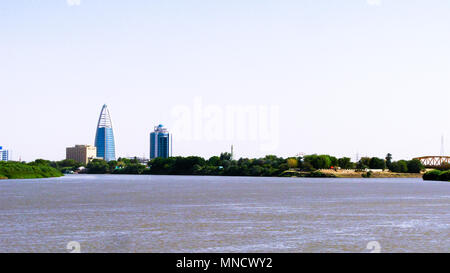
(434, 161)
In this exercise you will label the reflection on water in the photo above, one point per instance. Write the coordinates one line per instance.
(223, 214)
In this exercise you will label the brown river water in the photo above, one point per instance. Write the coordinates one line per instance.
(105, 213)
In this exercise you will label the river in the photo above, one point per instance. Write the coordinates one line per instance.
(112, 213)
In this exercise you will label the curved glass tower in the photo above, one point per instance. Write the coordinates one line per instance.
(104, 138)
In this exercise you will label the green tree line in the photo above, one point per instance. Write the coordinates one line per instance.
(21, 170)
(270, 165)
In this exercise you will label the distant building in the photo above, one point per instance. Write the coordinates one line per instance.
(81, 153)
(4, 154)
(160, 143)
(104, 137)
(141, 160)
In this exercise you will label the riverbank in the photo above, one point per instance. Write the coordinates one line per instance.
(350, 174)
(383, 174)
(302, 174)
(437, 175)
(313, 166)
(19, 170)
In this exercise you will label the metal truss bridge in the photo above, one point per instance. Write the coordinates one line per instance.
(434, 161)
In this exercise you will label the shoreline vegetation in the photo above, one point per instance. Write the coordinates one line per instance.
(314, 166)
(437, 175)
(268, 166)
(21, 170)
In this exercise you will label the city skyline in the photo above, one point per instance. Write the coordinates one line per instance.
(361, 77)
(104, 122)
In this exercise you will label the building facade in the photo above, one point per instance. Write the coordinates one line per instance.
(81, 153)
(4, 154)
(160, 143)
(104, 137)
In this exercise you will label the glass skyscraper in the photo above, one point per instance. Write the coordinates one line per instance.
(160, 143)
(104, 138)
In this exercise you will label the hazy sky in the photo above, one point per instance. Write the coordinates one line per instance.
(337, 77)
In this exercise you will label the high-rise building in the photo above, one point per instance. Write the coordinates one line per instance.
(81, 153)
(4, 154)
(160, 143)
(104, 137)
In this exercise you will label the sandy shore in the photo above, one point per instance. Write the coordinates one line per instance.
(384, 174)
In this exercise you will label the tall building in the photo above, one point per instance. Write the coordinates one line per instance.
(160, 143)
(104, 137)
(4, 154)
(81, 153)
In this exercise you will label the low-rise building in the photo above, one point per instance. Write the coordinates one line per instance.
(81, 153)
(141, 160)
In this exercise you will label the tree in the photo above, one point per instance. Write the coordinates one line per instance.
(318, 161)
(132, 168)
(98, 166)
(214, 161)
(41, 162)
(365, 161)
(256, 171)
(112, 165)
(361, 166)
(308, 167)
(292, 163)
(399, 167)
(161, 165)
(415, 166)
(432, 175)
(377, 163)
(345, 163)
(20, 170)
(225, 156)
(388, 160)
(185, 165)
(334, 161)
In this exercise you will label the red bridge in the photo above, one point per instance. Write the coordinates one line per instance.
(434, 161)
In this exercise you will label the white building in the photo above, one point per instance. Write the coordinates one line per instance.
(4, 154)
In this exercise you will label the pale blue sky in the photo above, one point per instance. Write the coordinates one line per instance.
(347, 76)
